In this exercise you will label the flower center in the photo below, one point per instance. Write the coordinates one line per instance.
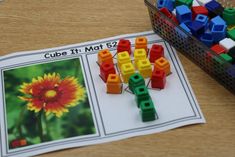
(50, 93)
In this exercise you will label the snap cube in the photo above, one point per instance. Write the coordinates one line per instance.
(105, 56)
(165, 3)
(227, 43)
(218, 32)
(141, 94)
(185, 27)
(214, 8)
(199, 10)
(113, 84)
(139, 54)
(171, 16)
(231, 34)
(228, 15)
(218, 49)
(188, 3)
(106, 69)
(148, 112)
(122, 58)
(226, 57)
(207, 39)
(162, 64)
(203, 19)
(196, 28)
(124, 45)
(203, 2)
(127, 69)
(144, 67)
(158, 79)
(231, 52)
(217, 21)
(141, 43)
(156, 52)
(183, 14)
(135, 80)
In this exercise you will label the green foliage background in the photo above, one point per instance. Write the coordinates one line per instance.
(23, 124)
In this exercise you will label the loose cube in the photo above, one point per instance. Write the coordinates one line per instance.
(183, 14)
(199, 10)
(165, 3)
(228, 15)
(231, 33)
(227, 43)
(218, 49)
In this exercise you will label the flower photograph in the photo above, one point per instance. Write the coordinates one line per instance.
(46, 102)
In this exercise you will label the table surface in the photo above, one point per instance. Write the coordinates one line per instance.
(34, 24)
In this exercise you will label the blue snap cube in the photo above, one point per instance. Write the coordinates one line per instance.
(218, 32)
(183, 14)
(169, 4)
(214, 8)
(203, 19)
(207, 39)
(217, 21)
(183, 25)
(197, 28)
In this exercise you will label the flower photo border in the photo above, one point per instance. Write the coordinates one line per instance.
(34, 147)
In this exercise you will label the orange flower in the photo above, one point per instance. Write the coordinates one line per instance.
(52, 94)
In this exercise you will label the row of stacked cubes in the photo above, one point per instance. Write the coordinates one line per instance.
(207, 20)
(135, 80)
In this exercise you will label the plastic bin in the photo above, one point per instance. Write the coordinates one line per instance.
(191, 47)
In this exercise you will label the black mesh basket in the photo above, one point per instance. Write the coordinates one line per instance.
(185, 43)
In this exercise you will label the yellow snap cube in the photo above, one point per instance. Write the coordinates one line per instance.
(144, 67)
(122, 58)
(127, 69)
(162, 64)
(139, 54)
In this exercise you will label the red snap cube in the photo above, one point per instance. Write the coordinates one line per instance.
(157, 51)
(166, 12)
(158, 79)
(105, 70)
(124, 45)
(218, 49)
(199, 10)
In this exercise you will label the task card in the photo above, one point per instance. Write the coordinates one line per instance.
(53, 99)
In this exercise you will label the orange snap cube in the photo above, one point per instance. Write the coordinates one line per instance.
(113, 84)
(105, 56)
(162, 64)
(141, 43)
